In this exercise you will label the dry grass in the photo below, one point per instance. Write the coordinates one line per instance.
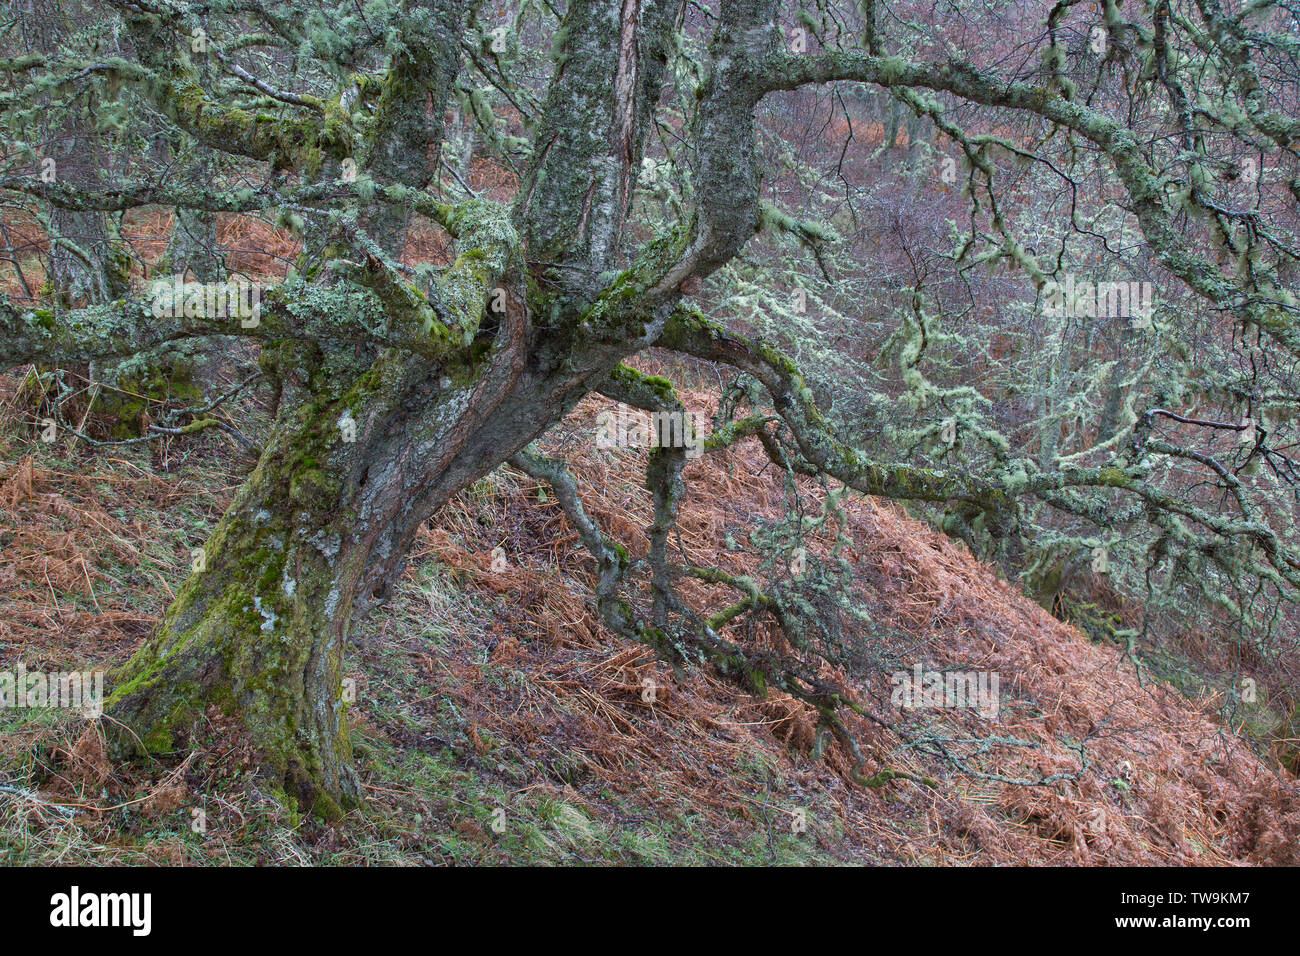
(510, 684)
(1164, 784)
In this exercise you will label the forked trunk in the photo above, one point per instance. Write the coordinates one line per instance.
(316, 535)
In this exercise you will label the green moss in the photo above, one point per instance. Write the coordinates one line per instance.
(654, 389)
(1113, 478)
(134, 388)
(326, 808)
(159, 740)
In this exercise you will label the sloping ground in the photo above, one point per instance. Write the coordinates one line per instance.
(497, 721)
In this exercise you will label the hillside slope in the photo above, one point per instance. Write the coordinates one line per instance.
(497, 721)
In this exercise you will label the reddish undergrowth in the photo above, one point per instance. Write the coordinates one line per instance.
(82, 579)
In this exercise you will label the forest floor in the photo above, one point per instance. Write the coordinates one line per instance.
(497, 721)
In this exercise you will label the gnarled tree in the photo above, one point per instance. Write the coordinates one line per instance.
(400, 384)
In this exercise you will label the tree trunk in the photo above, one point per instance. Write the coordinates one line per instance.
(259, 632)
(317, 535)
(371, 442)
(87, 263)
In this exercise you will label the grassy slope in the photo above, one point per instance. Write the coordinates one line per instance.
(494, 702)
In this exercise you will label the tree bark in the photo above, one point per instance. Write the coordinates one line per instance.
(318, 535)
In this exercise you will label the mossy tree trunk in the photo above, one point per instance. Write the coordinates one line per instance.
(257, 633)
(366, 450)
(87, 262)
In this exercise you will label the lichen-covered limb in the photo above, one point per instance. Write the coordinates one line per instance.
(113, 330)
(439, 325)
(598, 108)
(161, 74)
(631, 387)
(401, 145)
(1235, 45)
(694, 637)
(432, 329)
(413, 321)
(488, 251)
(611, 557)
(727, 172)
(116, 197)
(132, 326)
(663, 469)
(1261, 299)
(818, 451)
(1283, 563)
(488, 247)
(690, 332)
